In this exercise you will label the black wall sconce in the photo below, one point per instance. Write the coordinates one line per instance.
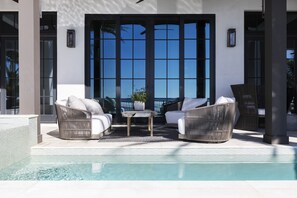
(71, 38)
(231, 37)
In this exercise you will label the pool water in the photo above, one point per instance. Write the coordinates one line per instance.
(152, 168)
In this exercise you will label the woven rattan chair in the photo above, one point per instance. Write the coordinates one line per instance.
(212, 124)
(246, 97)
(81, 124)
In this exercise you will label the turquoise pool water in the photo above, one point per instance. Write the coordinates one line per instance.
(152, 168)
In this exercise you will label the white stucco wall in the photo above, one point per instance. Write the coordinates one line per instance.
(229, 14)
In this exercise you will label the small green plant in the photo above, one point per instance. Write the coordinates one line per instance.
(139, 95)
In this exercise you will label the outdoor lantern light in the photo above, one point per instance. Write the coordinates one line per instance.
(231, 37)
(71, 38)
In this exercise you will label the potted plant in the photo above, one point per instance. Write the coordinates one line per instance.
(139, 98)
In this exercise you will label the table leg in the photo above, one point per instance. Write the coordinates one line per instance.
(128, 125)
(152, 125)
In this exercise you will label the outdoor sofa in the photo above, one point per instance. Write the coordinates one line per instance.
(81, 119)
(212, 124)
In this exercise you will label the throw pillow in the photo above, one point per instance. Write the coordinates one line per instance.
(93, 106)
(222, 100)
(76, 103)
(190, 103)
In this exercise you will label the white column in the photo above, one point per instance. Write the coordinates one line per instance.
(29, 57)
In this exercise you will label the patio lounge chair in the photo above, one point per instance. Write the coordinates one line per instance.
(212, 124)
(176, 110)
(246, 96)
(81, 119)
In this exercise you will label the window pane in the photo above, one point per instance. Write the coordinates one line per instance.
(139, 32)
(207, 49)
(173, 31)
(160, 69)
(173, 88)
(160, 31)
(109, 50)
(110, 88)
(190, 49)
(173, 49)
(92, 68)
(126, 88)
(207, 88)
(139, 69)
(207, 31)
(160, 49)
(190, 69)
(48, 68)
(139, 49)
(173, 69)
(191, 88)
(207, 69)
(108, 30)
(191, 30)
(126, 31)
(139, 84)
(109, 68)
(48, 49)
(126, 69)
(126, 49)
(48, 86)
(160, 88)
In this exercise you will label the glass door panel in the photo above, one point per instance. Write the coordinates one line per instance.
(47, 79)
(11, 58)
(132, 61)
(166, 62)
(291, 74)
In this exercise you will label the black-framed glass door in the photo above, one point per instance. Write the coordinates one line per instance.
(9, 75)
(171, 56)
(48, 78)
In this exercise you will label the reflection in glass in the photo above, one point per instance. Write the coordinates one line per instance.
(109, 68)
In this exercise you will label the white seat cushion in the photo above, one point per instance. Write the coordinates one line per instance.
(181, 125)
(101, 123)
(173, 116)
(191, 103)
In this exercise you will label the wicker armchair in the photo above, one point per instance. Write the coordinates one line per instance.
(246, 97)
(212, 124)
(81, 124)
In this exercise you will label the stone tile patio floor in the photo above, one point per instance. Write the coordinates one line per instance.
(243, 142)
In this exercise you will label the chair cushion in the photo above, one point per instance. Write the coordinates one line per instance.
(181, 125)
(191, 103)
(76, 103)
(92, 106)
(101, 123)
(173, 116)
(222, 100)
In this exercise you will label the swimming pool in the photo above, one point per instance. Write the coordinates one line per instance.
(183, 168)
